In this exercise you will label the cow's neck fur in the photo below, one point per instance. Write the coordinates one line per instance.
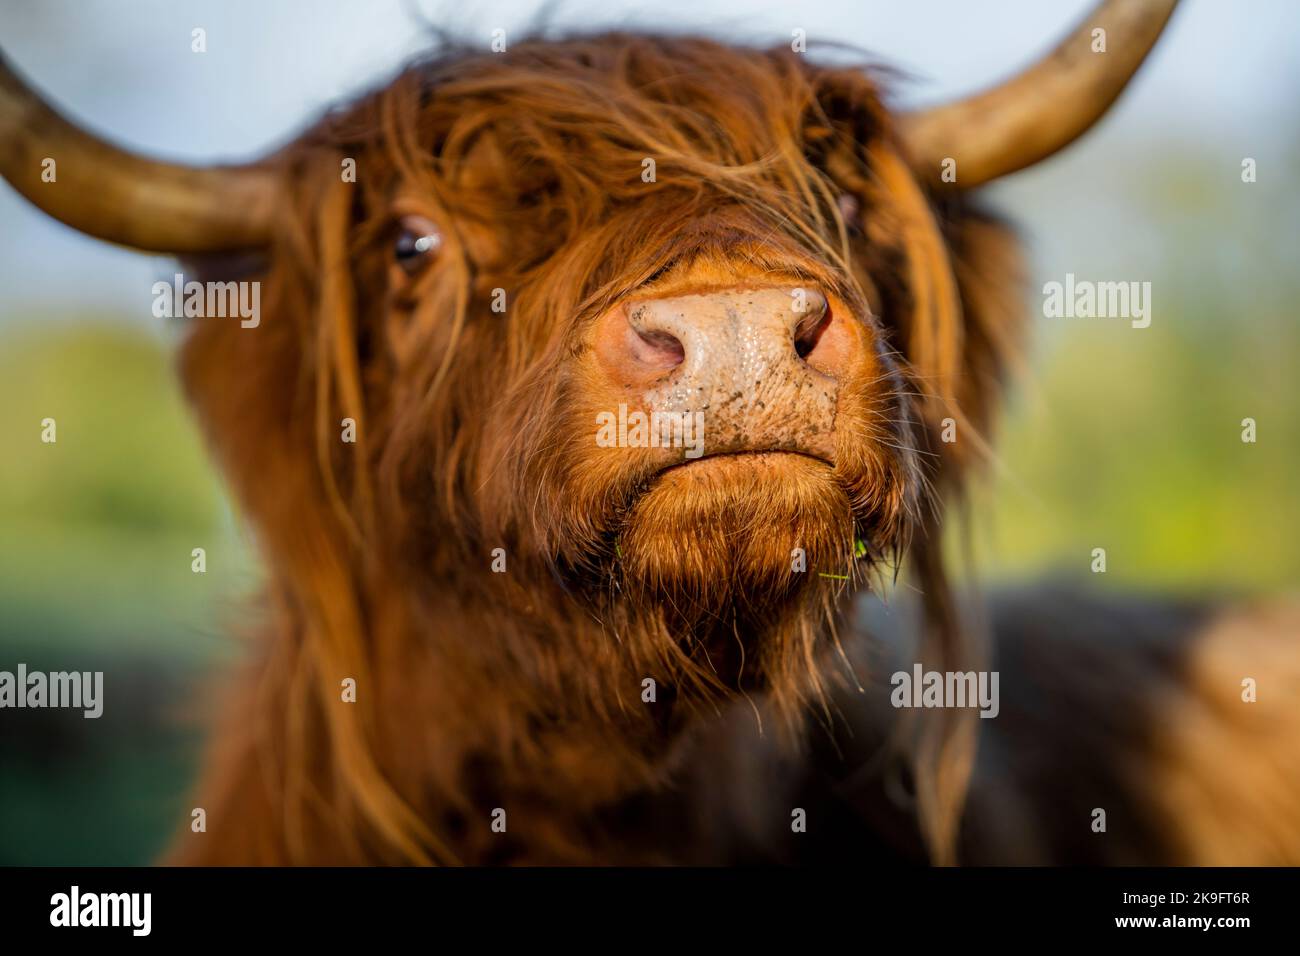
(476, 698)
(536, 704)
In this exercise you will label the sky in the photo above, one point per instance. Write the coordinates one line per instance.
(1223, 81)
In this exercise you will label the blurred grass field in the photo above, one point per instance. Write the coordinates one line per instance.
(1133, 442)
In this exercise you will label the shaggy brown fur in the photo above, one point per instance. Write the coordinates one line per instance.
(522, 690)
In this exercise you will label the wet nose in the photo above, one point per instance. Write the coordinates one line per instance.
(764, 366)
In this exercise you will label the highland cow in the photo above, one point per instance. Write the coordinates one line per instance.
(618, 651)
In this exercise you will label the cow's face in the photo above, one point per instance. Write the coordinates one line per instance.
(661, 286)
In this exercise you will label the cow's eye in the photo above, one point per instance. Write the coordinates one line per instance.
(417, 243)
(851, 212)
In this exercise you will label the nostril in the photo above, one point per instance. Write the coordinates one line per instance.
(810, 328)
(657, 348)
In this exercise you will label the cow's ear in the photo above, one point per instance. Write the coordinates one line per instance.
(957, 314)
(280, 397)
(993, 292)
(845, 116)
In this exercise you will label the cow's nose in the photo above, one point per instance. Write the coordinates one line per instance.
(668, 331)
(763, 366)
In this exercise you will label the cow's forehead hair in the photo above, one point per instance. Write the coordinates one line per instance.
(584, 101)
(554, 139)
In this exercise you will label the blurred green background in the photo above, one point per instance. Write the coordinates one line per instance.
(95, 574)
(1127, 439)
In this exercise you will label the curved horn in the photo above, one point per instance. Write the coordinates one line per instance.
(115, 195)
(1045, 108)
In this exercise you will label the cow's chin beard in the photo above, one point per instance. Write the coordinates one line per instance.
(737, 540)
(719, 575)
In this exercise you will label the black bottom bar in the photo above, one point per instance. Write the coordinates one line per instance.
(562, 906)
